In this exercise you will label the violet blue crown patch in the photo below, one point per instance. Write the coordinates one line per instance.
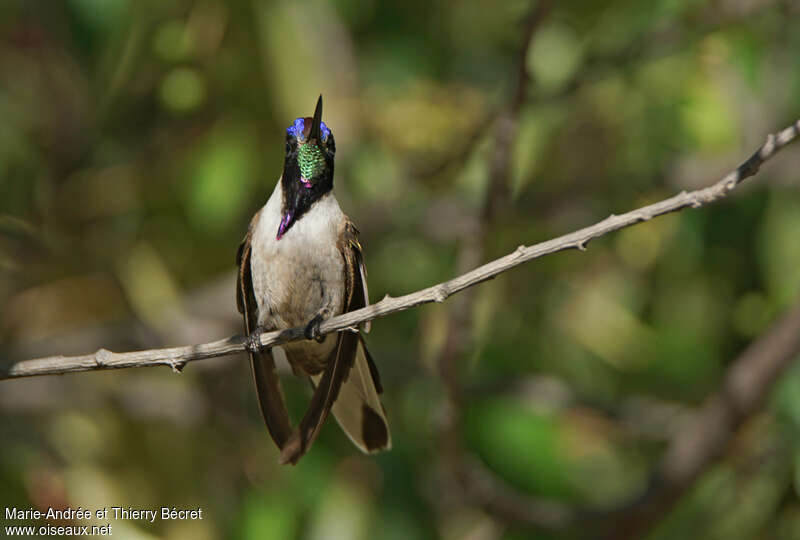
(298, 127)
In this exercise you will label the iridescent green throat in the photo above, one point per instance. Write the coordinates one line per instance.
(310, 160)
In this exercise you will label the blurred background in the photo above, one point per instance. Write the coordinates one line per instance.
(138, 138)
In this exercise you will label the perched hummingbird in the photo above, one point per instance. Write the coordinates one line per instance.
(299, 264)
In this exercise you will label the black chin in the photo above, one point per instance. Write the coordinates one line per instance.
(298, 197)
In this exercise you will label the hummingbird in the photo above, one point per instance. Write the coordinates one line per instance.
(299, 264)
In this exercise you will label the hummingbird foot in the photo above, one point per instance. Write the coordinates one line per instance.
(312, 329)
(253, 341)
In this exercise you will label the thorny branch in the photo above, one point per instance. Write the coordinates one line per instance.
(175, 357)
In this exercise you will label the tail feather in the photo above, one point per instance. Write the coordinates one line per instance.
(358, 408)
(270, 397)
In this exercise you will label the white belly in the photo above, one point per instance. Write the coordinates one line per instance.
(301, 274)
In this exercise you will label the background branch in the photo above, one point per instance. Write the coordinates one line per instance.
(740, 394)
(176, 356)
(459, 336)
(690, 451)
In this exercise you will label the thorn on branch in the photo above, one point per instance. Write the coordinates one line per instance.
(440, 294)
(101, 357)
(177, 367)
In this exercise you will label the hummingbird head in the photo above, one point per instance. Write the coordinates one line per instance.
(307, 166)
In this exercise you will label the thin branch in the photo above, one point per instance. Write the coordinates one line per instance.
(177, 356)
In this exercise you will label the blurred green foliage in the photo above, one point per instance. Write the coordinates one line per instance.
(137, 139)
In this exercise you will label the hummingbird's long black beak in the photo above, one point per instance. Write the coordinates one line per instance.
(314, 134)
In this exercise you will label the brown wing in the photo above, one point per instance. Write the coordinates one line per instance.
(356, 293)
(268, 388)
(349, 385)
(358, 409)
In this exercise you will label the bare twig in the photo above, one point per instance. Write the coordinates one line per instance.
(437, 293)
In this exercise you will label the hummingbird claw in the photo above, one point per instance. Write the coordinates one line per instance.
(253, 341)
(312, 329)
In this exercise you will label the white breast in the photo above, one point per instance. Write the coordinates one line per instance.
(303, 272)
